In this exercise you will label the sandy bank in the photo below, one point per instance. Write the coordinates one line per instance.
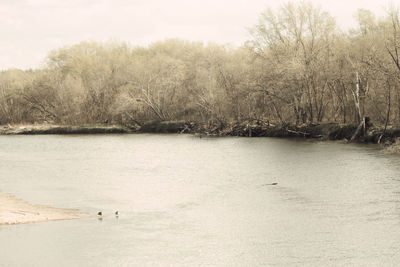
(17, 211)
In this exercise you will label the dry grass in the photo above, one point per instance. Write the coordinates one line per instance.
(393, 148)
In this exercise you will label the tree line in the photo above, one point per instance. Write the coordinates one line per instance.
(297, 68)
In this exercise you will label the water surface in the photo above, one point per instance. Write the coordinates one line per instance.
(187, 201)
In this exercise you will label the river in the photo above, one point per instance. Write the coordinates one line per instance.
(189, 201)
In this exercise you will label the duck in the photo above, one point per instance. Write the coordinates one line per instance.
(116, 213)
(99, 213)
(270, 184)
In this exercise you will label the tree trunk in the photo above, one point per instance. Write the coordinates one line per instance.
(356, 97)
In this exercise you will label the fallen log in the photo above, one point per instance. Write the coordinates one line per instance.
(362, 123)
(297, 132)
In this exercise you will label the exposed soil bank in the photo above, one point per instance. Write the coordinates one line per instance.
(17, 211)
(326, 131)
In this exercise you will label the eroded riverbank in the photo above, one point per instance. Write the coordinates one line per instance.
(325, 131)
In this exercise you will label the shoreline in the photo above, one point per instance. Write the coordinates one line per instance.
(324, 131)
(321, 131)
(17, 211)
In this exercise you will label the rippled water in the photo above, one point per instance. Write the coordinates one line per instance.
(186, 201)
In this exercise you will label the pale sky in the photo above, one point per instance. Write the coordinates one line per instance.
(31, 28)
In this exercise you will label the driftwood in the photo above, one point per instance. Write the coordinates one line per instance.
(185, 129)
(380, 138)
(297, 132)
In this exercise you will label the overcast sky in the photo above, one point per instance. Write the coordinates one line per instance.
(31, 28)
